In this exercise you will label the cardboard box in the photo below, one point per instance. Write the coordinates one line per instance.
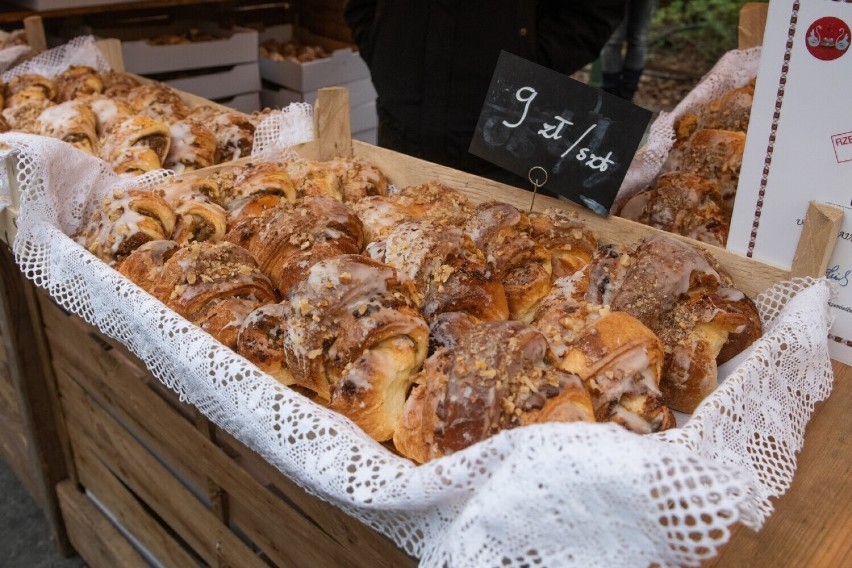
(364, 117)
(370, 136)
(218, 84)
(237, 45)
(344, 66)
(246, 103)
(361, 92)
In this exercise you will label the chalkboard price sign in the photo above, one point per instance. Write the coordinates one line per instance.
(583, 138)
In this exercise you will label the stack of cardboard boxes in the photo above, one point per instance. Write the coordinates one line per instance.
(286, 82)
(223, 69)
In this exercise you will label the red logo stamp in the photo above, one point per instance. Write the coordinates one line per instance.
(842, 144)
(828, 38)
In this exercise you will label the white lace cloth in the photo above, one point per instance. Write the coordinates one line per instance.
(553, 494)
(735, 69)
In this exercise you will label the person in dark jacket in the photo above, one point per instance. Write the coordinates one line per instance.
(432, 62)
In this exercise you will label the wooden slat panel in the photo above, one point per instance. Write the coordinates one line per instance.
(93, 536)
(34, 398)
(128, 511)
(93, 430)
(812, 524)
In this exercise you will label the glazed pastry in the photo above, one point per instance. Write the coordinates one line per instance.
(134, 160)
(24, 116)
(137, 131)
(569, 242)
(619, 359)
(316, 178)
(213, 285)
(449, 329)
(117, 84)
(359, 179)
(124, 222)
(686, 299)
(432, 200)
(684, 204)
(199, 215)
(288, 240)
(450, 274)
(500, 376)
(27, 88)
(192, 147)
(157, 101)
(715, 155)
(146, 266)
(76, 81)
(109, 112)
(72, 122)
(731, 111)
(348, 332)
(502, 233)
(234, 132)
(250, 189)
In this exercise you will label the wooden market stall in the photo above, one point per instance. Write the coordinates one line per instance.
(135, 469)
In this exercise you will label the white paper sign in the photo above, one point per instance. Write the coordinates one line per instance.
(799, 145)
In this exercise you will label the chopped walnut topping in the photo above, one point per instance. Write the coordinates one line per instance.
(314, 353)
(345, 277)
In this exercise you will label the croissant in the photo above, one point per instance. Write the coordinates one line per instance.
(109, 112)
(215, 286)
(192, 147)
(502, 233)
(157, 101)
(347, 180)
(500, 376)
(134, 161)
(78, 80)
(715, 155)
(137, 131)
(71, 122)
(118, 85)
(449, 273)
(288, 240)
(619, 359)
(24, 116)
(449, 329)
(687, 300)
(195, 202)
(234, 136)
(350, 333)
(684, 204)
(144, 265)
(432, 200)
(249, 190)
(569, 242)
(731, 111)
(125, 222)
(27, 88)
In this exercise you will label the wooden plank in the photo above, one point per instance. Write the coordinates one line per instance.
(129, 511)
(35, 396)
(812, 524)
(268, 520)
(816, 245)
(752, 24)
(111, 50)
(93, 535)
(332, 126)
(750, 276)
(34, 29)
(94, 430)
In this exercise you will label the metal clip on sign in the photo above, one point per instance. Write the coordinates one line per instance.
(538, 177)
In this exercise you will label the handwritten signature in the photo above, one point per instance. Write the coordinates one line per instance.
(834, 273)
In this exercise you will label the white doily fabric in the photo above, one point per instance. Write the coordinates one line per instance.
(735, 69)
(279, 132)
(548, 495)
(79, 51)
(11, 55)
